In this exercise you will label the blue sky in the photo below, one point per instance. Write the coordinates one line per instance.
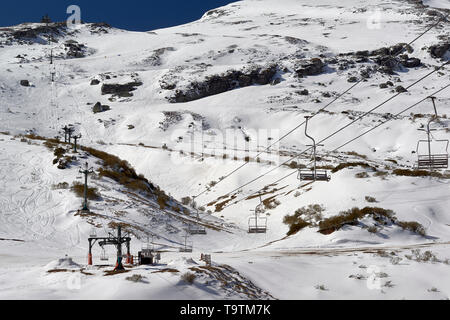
(138, 15)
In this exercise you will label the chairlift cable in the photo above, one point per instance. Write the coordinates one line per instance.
(352, 140)
(325, 107)
(340, 129)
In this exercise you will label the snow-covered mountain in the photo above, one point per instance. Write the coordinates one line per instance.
(186, 106)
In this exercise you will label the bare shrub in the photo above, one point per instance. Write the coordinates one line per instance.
(412, 226)
(304, 217)
(362, 175)
(353, 164)
(186, 201)
(188, 277)
(92, 193)
(371, 199)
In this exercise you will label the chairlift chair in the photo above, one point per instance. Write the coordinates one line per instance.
(257, 223)
(103, 255)
(196, 228)
(432, 160)
(313, 174)
(93, 233)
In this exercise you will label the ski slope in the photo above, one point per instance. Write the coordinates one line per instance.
(185, 148)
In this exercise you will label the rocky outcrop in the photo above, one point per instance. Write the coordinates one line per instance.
(230, 80)
(121, 90)
(311, 67)
(438, 51)
(156, 58)
(75, 49)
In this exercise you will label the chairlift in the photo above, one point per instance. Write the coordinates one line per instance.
(197, 228)
(103, 255)
(188, 245)
(313, 174)
(257, 223)
(93, 233)
(432, 160)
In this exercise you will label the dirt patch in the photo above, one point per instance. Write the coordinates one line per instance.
(167, 270)
(114, 273)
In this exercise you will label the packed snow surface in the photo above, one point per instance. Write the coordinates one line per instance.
(158, 111)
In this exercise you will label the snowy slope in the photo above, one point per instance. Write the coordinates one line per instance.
(162, 65)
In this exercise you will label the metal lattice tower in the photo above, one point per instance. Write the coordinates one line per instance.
(87, 171)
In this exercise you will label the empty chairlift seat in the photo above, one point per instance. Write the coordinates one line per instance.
(433, 160)
(257, 224)
(196, 229)
(320, 175)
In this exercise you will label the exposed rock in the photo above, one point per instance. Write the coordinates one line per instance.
(304, 92)
(439, 50)
(49, 32)
(75, 49)
(155, 58)
(352, 79)
(411, 62)
(95, 82)
(392, 51)
(383, 85)
(230, 80)
(400, 89)
(99, 28)
(310, 68)
(98, 107)
(121, 90)
(25, 83)
(387, 64)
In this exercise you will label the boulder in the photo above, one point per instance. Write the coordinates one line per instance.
(312, 67)
(400, 89)
(411, 62)
(95, 82)
(25, 83)
(439, 50)
(98, 107)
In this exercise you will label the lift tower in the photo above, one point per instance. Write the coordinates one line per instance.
(116, 240)
(87, 171)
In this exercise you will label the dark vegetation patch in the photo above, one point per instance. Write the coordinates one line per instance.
(303, 217)
(92, 193)
(220, 206)
(121, 172)
(114, 273)
(380, 215)
(118, 170)
(420, 173)
(353, 164)
(188, 277)
(167, 270)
